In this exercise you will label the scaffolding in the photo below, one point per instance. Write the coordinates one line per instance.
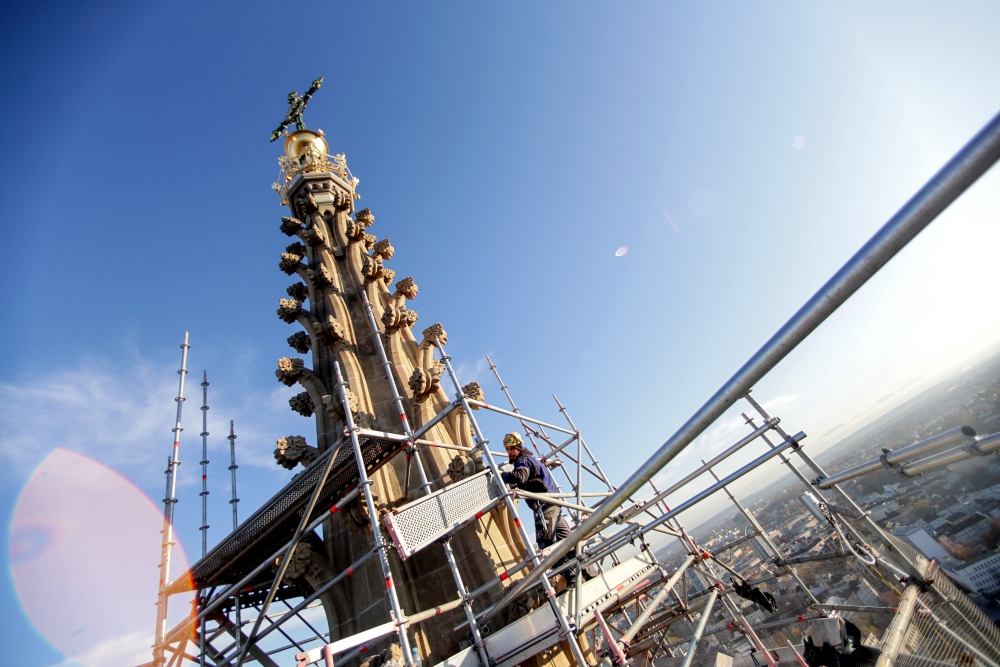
(603, 592)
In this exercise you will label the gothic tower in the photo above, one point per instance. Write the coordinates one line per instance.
(339, 263)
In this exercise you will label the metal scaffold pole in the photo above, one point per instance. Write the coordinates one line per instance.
(233, 502)
(168, 517)
(204, 492)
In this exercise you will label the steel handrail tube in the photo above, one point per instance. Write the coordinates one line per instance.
(981, 447)
(891, 459)
(971, 162)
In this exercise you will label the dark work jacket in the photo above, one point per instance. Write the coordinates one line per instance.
(531, 475)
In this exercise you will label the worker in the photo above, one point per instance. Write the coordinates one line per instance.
(530, 474)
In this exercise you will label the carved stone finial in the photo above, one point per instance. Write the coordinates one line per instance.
(383, 249)
(356, 228)
(298, 291)
(296, 249)
(302, 404)
(320, 277)
(293, 450)
(388, 275)
(289, 370)
(369, 241)
(290, 263)
(300, 342)
(372, 268)
(406, 288)
(425, 381)
(289, 309)
(396, 317)
(475, 392)
(435, 331)
(290, 226)
(314, 235)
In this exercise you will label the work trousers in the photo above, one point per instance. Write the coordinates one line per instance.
(550, 526)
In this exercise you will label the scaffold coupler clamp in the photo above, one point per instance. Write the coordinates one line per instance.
(885, 464)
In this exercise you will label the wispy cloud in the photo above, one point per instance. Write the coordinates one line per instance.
(122, 413)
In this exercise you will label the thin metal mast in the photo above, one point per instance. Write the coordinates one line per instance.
(204, 464)
(168, 515)
(236, 523)
(204, 494)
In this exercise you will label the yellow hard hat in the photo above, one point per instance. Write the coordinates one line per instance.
(513, 440)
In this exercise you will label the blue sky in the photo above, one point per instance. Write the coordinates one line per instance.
(741, 152)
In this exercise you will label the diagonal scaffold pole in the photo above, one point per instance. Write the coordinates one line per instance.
(159, 657)
(397, 400)
(483, 444)
(971, 162)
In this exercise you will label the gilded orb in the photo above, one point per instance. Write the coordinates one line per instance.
(300, 141)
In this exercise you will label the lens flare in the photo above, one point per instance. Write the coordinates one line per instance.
(84, 549)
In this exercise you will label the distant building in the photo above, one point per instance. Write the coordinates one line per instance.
(969, 530)
(922, 541)
(982, 574)
(812, 504)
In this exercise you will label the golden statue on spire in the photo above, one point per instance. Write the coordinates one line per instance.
(297, 105)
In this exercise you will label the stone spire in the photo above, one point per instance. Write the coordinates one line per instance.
(335, 259)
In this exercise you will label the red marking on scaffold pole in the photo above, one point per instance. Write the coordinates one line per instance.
(729, 626)
(350, 571)
(203, 478)
(388, 582)
(402, 416)
(517, 522)
(505, 575)
(437, 611)
(479, 515)
(802, 619)
(363, 649)
(333, 510)
(248, 589)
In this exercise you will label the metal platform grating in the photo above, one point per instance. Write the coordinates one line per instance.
(275, 522)
(424, 521)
